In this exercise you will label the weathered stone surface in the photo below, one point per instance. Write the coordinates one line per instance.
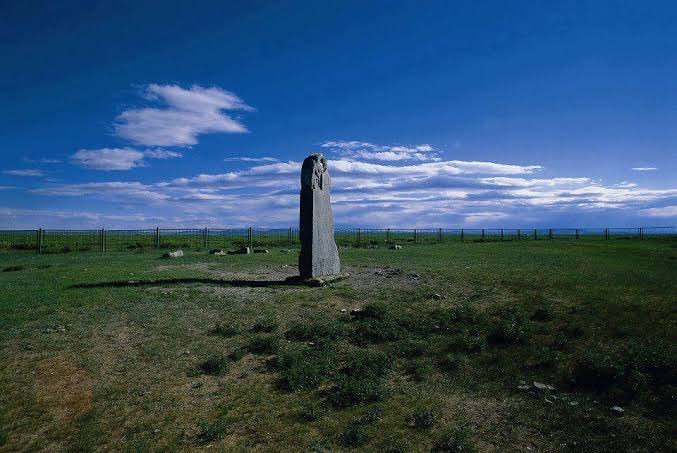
(316, 281)
(319, 255)
(395, 247)
(176, 254)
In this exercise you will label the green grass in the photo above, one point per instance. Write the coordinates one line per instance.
(202, 359)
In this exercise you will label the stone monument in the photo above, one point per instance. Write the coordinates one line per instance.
(319, 255)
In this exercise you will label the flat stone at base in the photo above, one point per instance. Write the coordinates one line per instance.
(176, 254)
(241, 251)
(317, 281)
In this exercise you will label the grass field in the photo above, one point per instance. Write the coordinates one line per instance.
(426, 348)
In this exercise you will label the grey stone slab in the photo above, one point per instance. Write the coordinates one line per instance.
(319, 254)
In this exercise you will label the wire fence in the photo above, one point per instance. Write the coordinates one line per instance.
(63, 241)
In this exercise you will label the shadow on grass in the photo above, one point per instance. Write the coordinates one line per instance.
(183, 281)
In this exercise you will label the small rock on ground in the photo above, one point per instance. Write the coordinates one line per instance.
(541, 386)
(617, 410)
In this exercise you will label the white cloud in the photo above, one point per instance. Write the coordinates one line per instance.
(251, 159)
(24, 172)
(451, 167)
(521, 182)
(161, 154)
(644, 168)
(666, 211)
(114, 189)
(187, 113)
(43, 160)
(370, 151)
(109, 158)
(424, 194)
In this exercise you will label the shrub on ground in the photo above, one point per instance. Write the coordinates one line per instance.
(352, 390)
(215, 364)
(263, 344)
(355, 435)
(544, 312)
(410, 348)
(236, 354)
(267, 325)
(304, 367)
(511, 327)
(450, 363)
(318, 330)
(224, 330)
(456, 439)
(311, 410)
(467, 342)
(423, 418)
(366, 363)
(420, 369)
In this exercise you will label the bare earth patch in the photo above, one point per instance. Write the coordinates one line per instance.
(62, 388)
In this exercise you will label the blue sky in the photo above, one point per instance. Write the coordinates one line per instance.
(476, 114)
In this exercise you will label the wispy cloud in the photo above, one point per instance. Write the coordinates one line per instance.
(110, 159)
(665, 211)
(117, 190)
(24, 172)
(369, 151)
(644, 168)
(444, 193)
(43, 160)
(184, 115)
(251, 159)
(161, 154)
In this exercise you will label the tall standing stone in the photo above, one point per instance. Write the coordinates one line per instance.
(319, 255)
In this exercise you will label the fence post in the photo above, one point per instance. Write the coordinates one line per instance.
(482, 234)
(639, 233)
(577, 233)
(359, 236)
(101, 246)
(289, 236)
(535, 234)
(519, 234)
(461, 234)
(501, 234)
(251, 237)
(157, 237)
(206, 237)
(39, 238)
(105, 234)
(550, 234)
(439, 231)
(606, 233)
(415, 236)
(388, 235)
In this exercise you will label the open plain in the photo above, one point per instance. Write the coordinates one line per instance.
(516, 346)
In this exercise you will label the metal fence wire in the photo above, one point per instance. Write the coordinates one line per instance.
(62, 241)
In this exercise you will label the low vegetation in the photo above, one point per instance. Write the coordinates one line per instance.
(561, 346)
